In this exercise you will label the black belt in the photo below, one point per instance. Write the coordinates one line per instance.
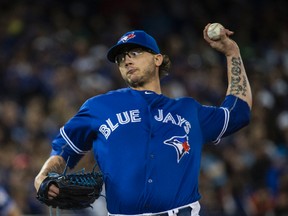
(181, 212)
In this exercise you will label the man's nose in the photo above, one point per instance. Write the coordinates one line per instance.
(127, 58)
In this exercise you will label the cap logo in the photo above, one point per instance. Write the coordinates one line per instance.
(125, 38)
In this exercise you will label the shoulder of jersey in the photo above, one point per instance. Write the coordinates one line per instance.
(111, 95)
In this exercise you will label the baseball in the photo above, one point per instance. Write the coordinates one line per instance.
(213, 31)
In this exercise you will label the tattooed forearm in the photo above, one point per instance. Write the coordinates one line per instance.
(57, 164)
(238, 84)
(53, 164)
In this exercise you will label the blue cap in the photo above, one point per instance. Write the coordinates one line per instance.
(137, 38)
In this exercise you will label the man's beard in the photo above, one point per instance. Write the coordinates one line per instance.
(136, 81)
(135, 84)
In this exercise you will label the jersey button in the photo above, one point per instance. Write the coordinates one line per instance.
(152, 156)
(150, 181)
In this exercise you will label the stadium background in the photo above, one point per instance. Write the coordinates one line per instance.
(53, 57)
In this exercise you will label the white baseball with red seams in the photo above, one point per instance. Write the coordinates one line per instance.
(213, 31)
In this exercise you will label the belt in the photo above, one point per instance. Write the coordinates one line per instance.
(181, 212)
(191, 209)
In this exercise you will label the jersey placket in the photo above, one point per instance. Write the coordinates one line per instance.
(151, 179)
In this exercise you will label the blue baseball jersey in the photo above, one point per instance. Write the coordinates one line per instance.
(147, 145)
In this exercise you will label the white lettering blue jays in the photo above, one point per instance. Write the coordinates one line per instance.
(133, 116)
(176, 121)
(122, 118)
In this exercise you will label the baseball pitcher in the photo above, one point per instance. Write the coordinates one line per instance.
(148, 146)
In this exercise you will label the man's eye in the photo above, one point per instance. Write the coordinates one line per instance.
(119, 59)
(134, 53)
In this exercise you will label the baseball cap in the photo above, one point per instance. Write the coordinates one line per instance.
(136, 38)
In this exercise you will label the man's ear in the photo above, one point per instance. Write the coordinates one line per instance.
(158, 59)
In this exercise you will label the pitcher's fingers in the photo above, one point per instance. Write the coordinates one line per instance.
(53, 191)
(228, 32)
(52, 195)
(54, 188)
(205, 35)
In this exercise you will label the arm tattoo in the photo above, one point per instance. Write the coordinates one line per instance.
(238, 84)
(58, 166)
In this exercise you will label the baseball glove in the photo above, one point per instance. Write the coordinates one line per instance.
(76, 190)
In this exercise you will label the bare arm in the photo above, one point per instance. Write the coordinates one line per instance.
(53, 164)
(238, 83)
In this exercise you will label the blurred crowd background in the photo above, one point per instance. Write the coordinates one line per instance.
(53, 58)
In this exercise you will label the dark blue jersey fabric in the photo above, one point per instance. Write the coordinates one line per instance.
(147, 145)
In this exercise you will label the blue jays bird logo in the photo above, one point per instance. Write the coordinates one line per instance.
(181, 145)
(127, 37)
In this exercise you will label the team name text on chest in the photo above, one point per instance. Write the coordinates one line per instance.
(134, 116)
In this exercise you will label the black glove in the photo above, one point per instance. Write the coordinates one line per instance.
(76, 190)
